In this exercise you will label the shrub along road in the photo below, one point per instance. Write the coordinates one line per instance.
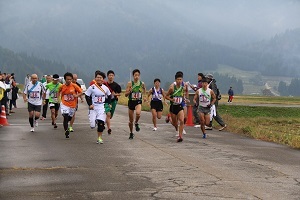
(45, 165)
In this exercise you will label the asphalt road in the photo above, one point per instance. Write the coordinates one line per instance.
(46, 165)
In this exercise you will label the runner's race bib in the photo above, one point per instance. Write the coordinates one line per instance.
(99, 100)
(177, 100)
(34, 94)
(68, 97)
(136, 95)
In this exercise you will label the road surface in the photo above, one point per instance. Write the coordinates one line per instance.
(46, 165)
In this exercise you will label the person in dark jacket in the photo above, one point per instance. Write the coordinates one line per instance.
(14, 96)
(230, 95)
(217, 117)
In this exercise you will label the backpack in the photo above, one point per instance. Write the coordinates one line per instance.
(219, 96)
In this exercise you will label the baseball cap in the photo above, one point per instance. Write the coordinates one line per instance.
(210, 76)
(55, 77)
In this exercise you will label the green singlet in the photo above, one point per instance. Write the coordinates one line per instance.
(136, 93)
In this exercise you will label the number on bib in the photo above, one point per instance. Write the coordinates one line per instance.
(136, 95)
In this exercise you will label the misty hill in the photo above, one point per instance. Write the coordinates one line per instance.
(21, 64)
(159, 37)
(285, 48)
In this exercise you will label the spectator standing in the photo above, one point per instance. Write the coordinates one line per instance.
(196, 104)
(13, 96)
(217, 117)
(230, 95)
(27, 79)
(4, 100)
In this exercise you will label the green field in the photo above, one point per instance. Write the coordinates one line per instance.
(250, 86)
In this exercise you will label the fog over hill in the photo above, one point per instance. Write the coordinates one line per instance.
(159, 37)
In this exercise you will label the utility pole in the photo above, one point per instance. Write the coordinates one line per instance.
(130, 73)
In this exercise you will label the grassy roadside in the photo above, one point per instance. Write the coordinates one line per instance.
(274, 124)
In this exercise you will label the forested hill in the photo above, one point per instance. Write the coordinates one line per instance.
(22, 64)
(285, 50)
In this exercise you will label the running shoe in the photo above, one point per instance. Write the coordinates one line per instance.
(179, 139)
(67, 133)
(154, 129)
(109, 131)
(43, 118)
(36, 123)
(99, 141)
(167, 119)
(137, 127)
(54, 124)
(131, 136)
(197, 126)
(184, 132)
(71, 129)
(223, 127)
(204, 135)
(32, 130)
(208, 128)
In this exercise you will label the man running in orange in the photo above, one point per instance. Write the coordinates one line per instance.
(69, 94)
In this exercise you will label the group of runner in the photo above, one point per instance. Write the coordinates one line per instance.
(178, 97)
(102, 97)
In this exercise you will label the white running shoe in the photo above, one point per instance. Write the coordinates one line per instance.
(223, 127)
(154, 129)
(197, 126)
(32, 130)
(208, 128)
(36, 123)
(183, 132)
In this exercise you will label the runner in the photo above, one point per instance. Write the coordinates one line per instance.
(96, 95)
(33, 95)
(69, 94)
(186, 99)
(157, 94)
(176, 95)
(207, 99)
(74, 80)
(45, 105)
(134, 91)
(115, 90)
(53, 88)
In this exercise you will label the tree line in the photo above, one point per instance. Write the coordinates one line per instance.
(291, 89)
(22, 64)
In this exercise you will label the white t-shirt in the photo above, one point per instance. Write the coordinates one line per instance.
(34, 95)
(204, 97)
(47, 91)
(98, 95)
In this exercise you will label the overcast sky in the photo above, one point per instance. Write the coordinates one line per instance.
(215, 20)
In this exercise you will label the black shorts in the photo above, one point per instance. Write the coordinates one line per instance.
(175, 109)
(133, 103)
(157, 105)
(204, 110)
(32, 107)
(54, 105)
